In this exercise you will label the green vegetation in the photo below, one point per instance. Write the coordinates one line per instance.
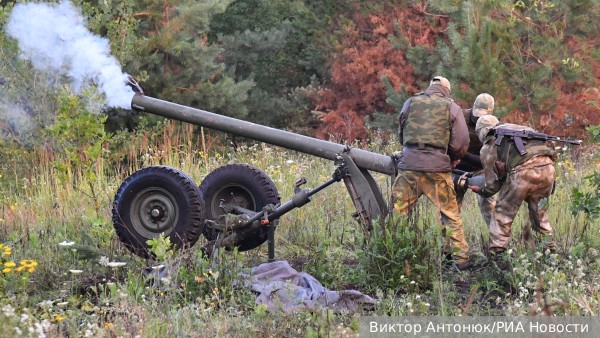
(319, 67)
(84, 280)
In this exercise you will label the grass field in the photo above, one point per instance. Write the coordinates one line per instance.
(66, 279)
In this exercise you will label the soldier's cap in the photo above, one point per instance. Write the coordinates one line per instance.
(483, 105)
(484, 125)
(440, 80)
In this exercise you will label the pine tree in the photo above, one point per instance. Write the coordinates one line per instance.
(181, 65)
(272, 43)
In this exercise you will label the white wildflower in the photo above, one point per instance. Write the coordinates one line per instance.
(24, 317)
(75, 272)
(65, 243)
(158, 267)
(104, 261)
(8, 310)
(116, 264)
(42, 328)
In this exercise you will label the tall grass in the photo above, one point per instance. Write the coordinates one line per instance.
(65, 226)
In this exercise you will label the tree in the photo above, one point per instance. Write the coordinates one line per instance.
(177, 61)
(273, 43)
(535, 57)
(366, 61)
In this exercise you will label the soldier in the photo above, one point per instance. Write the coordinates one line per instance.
(434, 137)
(483, 105)
(525, 174)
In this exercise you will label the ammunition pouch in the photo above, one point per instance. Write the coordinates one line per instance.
(461, 183)
(463, 179)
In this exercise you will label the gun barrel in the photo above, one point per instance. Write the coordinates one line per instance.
(305, 144)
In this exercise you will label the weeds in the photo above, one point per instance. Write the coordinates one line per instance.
(87, 283)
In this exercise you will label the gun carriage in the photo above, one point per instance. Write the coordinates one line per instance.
(238, 205)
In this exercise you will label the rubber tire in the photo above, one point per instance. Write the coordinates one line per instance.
(181, 190)
(245, 178)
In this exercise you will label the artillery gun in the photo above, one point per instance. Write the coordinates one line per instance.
(236, 205)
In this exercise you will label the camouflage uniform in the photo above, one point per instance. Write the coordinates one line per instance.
(483, 105)
(433, 133)
(530, 178)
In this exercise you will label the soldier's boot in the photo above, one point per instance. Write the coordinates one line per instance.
(474, 262)
(500, 260)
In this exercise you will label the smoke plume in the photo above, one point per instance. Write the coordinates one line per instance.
(54, 38)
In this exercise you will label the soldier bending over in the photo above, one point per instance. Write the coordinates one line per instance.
(528, 176)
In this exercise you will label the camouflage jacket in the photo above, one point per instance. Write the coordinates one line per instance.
(509, 154)
(490, 153)
(432, 159)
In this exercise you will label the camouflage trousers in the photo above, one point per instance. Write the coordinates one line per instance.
(531, 182)
(439, 189)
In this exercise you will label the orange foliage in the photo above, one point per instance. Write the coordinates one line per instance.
(356, 90)
(366, 54)
(577, 104)
(571, 115)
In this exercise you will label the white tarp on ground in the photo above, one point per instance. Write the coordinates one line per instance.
(282, 288)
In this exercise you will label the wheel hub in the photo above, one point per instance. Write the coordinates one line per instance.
(229, 196)
(154, 211)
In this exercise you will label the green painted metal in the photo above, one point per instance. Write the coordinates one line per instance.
(329, 150)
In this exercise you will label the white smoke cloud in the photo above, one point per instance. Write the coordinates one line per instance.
(54, 37)
(15, 122)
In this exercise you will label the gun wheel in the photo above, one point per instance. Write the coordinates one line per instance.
(158, 200)
(240, 185)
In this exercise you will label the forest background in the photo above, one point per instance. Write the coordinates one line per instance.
(337, 70)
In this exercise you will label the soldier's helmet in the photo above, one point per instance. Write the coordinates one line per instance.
(483, 105)
(484, 125)
(441, 81)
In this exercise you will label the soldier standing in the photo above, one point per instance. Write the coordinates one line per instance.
(517, 175)
(434, 137)
(483, 105)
